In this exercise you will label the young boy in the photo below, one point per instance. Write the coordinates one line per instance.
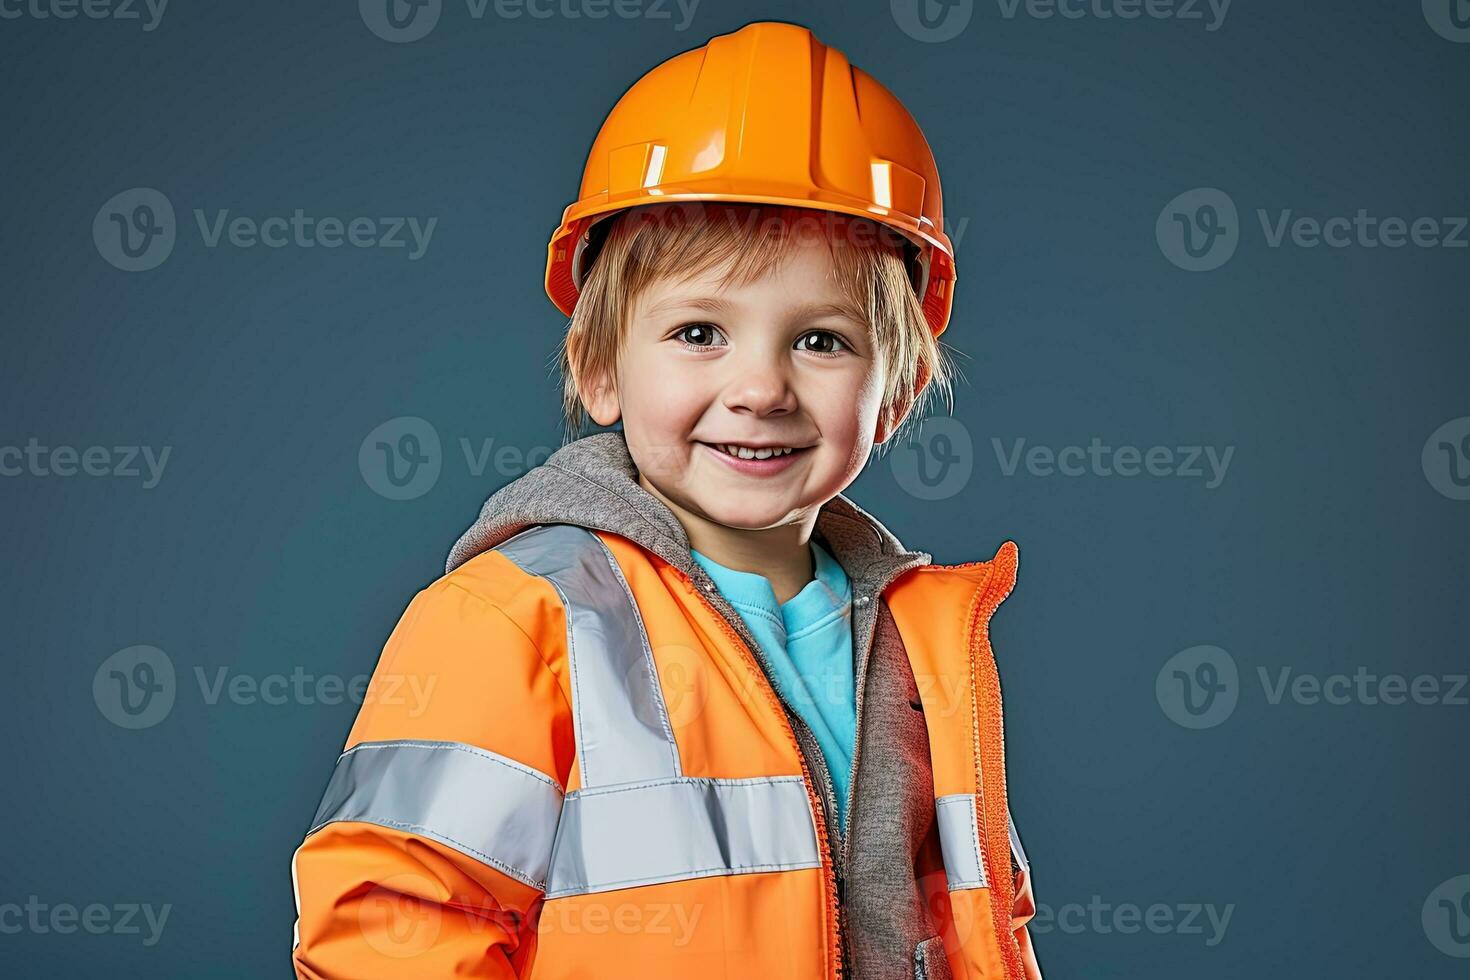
(695, 712)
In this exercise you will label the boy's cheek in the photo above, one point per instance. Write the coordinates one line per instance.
(658, 456)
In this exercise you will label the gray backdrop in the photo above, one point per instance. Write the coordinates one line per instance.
(1215, 389)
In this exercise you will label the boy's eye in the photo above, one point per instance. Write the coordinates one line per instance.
(826, 338)
(697, 334)
(707, 334)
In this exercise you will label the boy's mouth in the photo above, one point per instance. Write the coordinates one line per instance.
(748, 452)
(763, 461)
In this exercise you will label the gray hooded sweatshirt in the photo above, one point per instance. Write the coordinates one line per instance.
(592, 482)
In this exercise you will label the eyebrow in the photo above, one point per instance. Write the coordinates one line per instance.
(716, 305)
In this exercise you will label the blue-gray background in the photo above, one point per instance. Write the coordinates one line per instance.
(265, 549)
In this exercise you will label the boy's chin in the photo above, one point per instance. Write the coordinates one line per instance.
(749, 516)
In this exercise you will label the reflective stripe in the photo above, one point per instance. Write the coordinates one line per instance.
(1016, 849)
(623, 732)
(636, 819)
(959, 841)
(494, 809)
(642, 834)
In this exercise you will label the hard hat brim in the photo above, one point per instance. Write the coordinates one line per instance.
(936, 256)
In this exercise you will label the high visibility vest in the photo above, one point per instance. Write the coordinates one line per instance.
(600, 781)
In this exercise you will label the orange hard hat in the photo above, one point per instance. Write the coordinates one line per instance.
(769, 115)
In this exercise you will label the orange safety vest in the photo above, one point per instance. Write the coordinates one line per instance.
(601, 782)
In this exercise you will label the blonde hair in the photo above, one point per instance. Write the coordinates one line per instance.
(644, 244)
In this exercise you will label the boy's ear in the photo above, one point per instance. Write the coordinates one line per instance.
(892, 416)
(600, 397)
(597, 390)
(889, 419)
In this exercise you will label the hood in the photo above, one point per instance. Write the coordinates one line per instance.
(592, 482)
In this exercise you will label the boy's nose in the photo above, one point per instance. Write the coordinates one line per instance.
(761, 389)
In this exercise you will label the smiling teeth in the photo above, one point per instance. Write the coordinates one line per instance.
(744, 453)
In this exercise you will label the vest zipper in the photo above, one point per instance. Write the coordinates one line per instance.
(827, 799)
(838, 853)
(860, 669)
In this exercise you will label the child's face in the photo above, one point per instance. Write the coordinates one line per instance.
(774, 362)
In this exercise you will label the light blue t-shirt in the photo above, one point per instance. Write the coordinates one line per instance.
(808, 641)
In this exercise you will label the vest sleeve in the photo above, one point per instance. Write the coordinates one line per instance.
(429, 852)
